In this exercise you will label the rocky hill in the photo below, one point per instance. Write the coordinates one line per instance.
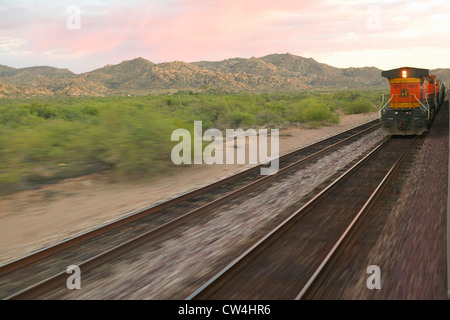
(12, 91)
(275, 72)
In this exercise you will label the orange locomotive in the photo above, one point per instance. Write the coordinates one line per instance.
(415, 97)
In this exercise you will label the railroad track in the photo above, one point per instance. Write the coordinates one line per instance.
(287, 262)
(375, 239)
(108, 242)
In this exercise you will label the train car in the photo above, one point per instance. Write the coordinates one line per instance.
(441, 92)
(432, 93)
(415, 97)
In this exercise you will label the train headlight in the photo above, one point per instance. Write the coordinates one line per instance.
(404, 74)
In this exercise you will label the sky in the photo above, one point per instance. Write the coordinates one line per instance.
(84, 35)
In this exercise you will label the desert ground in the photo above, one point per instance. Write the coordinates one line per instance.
(34, 219)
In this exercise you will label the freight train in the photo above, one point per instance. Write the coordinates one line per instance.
(415, 97)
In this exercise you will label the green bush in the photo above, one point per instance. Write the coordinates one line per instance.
(318, 112)
(360, 105)
(239, 119)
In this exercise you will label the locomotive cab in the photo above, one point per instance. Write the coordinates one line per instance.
(412, 102)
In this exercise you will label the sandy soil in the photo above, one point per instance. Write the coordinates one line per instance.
(34, 219)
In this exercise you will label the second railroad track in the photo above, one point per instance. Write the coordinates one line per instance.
(32, 276)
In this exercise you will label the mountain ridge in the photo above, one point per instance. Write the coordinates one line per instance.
(270, 73)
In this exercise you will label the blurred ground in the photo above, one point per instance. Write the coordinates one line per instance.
(37, 218)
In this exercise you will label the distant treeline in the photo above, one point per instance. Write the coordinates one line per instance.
(44, 140)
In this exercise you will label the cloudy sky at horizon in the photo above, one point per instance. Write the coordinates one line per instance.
(84, 35)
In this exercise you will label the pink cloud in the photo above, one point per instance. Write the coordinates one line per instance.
(192, 30)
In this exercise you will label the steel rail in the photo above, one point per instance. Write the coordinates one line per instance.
(48, 284)
(357, 218)
(268, 236)
(77, 239)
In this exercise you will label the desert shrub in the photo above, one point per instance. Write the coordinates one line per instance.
(360, 105)
(237, 119)
(44, 142)
(46, 139)
(42, 110)
(320, 113)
